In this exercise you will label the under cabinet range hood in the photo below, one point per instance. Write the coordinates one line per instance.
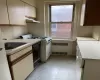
(31, 20)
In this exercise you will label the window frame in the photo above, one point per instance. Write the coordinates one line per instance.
(50, 20)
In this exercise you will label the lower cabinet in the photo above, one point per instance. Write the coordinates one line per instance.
(91, 70)
(88, 69)
(21, 64)
(23, 68)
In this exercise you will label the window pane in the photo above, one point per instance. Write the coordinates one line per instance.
(61, 30)
(61, 13)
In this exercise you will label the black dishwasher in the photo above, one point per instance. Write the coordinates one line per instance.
(36, 54)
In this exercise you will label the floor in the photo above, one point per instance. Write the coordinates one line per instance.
(56, 68)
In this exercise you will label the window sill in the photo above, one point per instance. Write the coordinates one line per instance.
(63, 40)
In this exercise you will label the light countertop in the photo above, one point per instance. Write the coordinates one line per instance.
(89, 49)
(29, 42)
(86, 39)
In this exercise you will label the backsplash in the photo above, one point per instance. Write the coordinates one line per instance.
(10, 32)
(84, 31)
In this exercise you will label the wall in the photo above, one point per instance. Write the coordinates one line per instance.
(10, 32)
(96, 32)
(84, 31)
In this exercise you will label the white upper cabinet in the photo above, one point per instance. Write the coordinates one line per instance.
(31, 2)
(30, 11)
(13, 12)
(16, 12)
(3, 12)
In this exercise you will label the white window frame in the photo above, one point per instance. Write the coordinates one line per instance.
(72, 22)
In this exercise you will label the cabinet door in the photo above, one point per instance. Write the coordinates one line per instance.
(31, 2)
(16, 12)
(91, 70)
(3, 12)
(23, 68)
(30, 11)
(4, 68)
(92, 13)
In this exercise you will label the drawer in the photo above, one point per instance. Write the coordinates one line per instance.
(20, 53)
(22, 69)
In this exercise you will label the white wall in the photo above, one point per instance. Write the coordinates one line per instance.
(36, 29)
(84, 31)
(10, 32)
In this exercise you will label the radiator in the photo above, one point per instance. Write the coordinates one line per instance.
(61, 48)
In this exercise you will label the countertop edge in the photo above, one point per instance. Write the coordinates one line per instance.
(21, 48)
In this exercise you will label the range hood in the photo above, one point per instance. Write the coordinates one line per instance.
(31, 20)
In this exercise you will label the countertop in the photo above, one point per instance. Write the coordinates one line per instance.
(86, 39)
(29, 42)
(89, 49)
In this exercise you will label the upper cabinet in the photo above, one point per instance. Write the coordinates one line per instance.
(16, 12)
(13, 12)
(3, 12)
(30, 11)
(90, 14)
(30, 2)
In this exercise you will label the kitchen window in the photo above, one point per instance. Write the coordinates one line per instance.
(61, 20)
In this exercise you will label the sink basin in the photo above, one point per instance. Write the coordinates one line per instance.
(12, 45)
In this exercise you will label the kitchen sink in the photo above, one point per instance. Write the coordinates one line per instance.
(12, 45)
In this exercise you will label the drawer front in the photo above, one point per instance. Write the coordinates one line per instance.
(23, 68)
(20, 53)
